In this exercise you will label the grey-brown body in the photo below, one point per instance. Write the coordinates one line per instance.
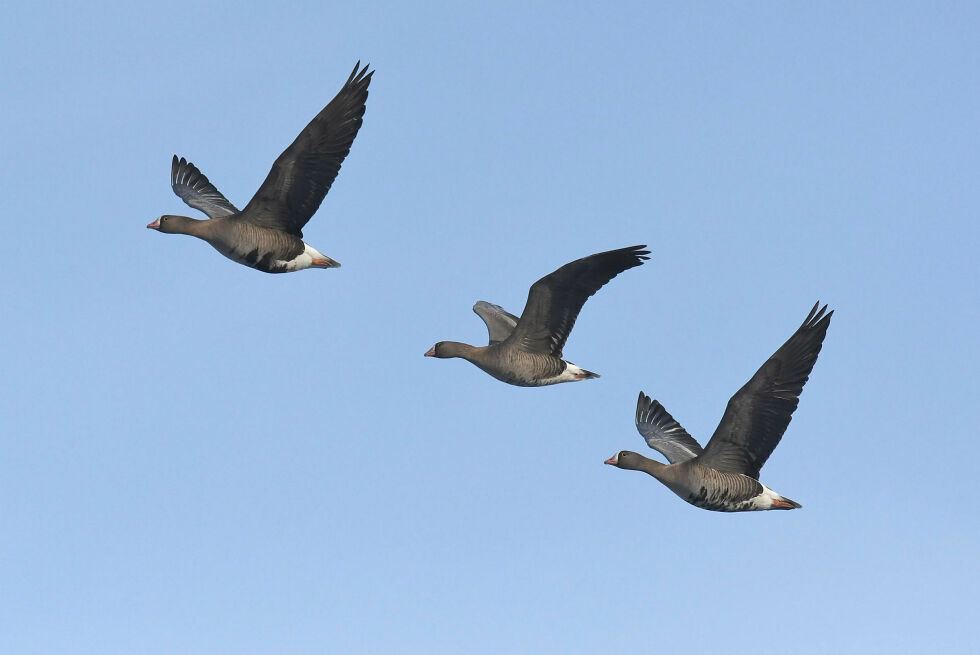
(268, 234)
(267, 250)
(724, 475)
(270, 251)
(514, 366)
(705, 487)
(527, 351)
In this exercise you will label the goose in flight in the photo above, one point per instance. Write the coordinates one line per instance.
(724, 475)
(268, 234)
(527, 351)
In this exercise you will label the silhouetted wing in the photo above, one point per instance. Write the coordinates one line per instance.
(758, 414)
(663, 433)
(555, 300)
(194, 188)
(304, 172)
(500, 323)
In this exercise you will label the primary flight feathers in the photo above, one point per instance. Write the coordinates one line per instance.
(663, 433)
(194, 188)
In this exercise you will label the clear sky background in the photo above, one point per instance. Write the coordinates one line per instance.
(198, 458)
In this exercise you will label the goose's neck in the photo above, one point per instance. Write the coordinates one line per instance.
(463, 350)
(186, 225)
(198, 228)
(653, 467)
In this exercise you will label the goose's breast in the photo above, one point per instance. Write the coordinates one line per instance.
(266, 250)
(524, 369)
(721, 492)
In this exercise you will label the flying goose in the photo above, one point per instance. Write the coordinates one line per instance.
(527, 351)
(724, 476)
(268, 233)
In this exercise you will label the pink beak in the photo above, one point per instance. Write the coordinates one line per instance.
(430, 352)
(155, 225)
(613, 460)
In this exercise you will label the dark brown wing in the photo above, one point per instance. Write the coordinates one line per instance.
(758, 414)
(555, 300)
(303, 173)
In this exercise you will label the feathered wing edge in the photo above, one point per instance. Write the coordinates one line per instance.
(663, 433)
(193, 187)
(758, 414)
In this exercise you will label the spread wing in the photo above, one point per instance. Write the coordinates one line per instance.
(194, 188)
(304, 172)
(757, 415)
(500, 323)
(554, 301)
(663, 433)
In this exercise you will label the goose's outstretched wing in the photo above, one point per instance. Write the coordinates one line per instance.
(554, 301)
(304, 172)
(758, 414)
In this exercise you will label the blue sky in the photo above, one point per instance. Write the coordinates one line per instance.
(200, 458)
